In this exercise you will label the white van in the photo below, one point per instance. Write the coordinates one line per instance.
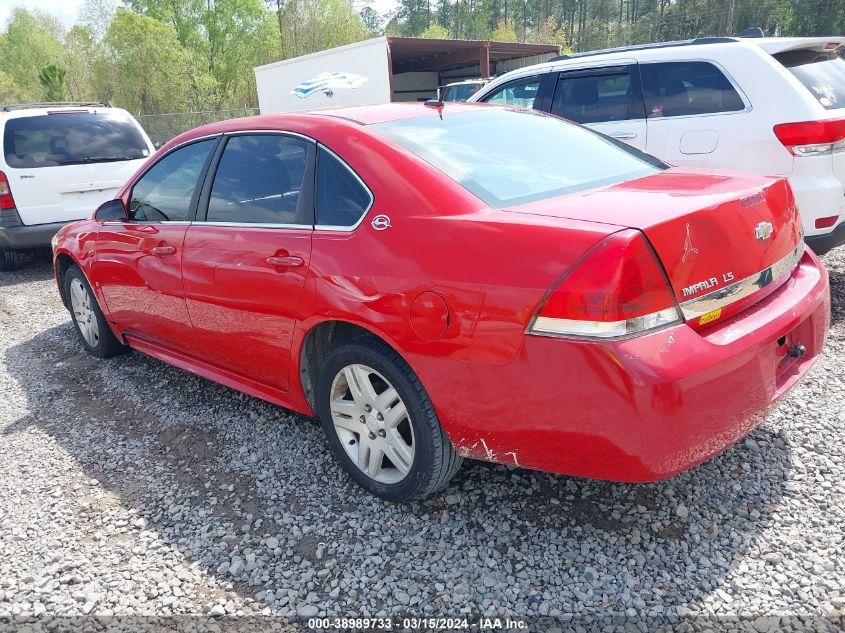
(772, 106)
(58, 163)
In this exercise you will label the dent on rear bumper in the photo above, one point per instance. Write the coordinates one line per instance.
(634, 410)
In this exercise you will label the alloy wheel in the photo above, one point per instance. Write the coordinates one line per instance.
(372, 423)
(83, 312)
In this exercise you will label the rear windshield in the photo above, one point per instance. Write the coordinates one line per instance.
(508, 157)
(823, 74)
(72, 138)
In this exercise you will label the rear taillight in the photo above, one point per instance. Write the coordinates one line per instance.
(617, 290)
(812, 138)
(6, 199)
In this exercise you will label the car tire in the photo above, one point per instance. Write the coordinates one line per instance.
(370, 435)
(88, 320)
(9, 260)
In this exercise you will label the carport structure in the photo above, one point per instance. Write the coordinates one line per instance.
(413, 54)
(395, 69)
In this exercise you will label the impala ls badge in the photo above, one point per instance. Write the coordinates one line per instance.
(381, 222)
(764, 230)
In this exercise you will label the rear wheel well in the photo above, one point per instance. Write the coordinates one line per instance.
(319, 341)
(63, 262)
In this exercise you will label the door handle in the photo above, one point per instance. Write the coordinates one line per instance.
(285, 261)
(623, 136)
(164, 250)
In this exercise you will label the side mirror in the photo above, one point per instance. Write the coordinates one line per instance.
(111, 210)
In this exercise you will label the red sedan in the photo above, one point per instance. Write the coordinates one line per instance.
(461, 281)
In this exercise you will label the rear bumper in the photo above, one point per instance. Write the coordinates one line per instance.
(823, 243)
(28, 236)
(639, 409)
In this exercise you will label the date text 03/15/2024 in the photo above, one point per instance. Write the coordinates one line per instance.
(419, 623)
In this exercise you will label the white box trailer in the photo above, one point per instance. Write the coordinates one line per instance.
(396, 68)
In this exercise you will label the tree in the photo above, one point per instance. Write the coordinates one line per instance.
(371, 19)
(144, 68)
(96, 15)
(81, 50)
(435, 32)
(53, 79)
(32, 41)
(504, 32)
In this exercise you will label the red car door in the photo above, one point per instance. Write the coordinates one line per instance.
(247, 255)
(138, 262)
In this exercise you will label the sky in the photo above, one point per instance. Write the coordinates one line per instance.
(66, 10)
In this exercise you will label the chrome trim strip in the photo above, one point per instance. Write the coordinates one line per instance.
(255, 225)
(252, 132)
(743, 288)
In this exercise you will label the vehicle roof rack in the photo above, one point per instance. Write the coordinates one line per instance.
(8, 107)
(644, 47)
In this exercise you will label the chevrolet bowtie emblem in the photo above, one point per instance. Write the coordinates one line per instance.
(764, 230)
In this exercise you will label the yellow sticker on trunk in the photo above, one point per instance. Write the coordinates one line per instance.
(710, 316)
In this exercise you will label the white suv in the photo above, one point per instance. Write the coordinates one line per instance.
(58, 163)
(774, 106)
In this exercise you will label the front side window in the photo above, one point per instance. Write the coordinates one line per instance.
(522, 92)
(597, 98)
(508, 157)
(259, 181)
(341, 198)
(165, 192)
(686, 89)
(823, 74)
(72, 138)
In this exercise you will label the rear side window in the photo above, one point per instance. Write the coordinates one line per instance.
(507, 156)
(259, 181)
(72, 138)
(459, 92)
(341, 197)
(823, 74)
(686, 89)
(597, 98)
(165, 192)
(521, 92)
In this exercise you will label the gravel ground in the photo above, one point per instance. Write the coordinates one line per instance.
(129, 487)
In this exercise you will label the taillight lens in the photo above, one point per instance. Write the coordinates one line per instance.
(618, 289)
(6, 199)
(812, 138)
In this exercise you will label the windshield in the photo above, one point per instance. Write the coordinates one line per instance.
(509, 156)
(822, 74)
(459, 92)
(72, 138)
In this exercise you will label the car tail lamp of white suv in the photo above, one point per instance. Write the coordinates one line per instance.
(8, 213)
(812, 138)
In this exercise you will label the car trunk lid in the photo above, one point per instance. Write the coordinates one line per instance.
(710, 231)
